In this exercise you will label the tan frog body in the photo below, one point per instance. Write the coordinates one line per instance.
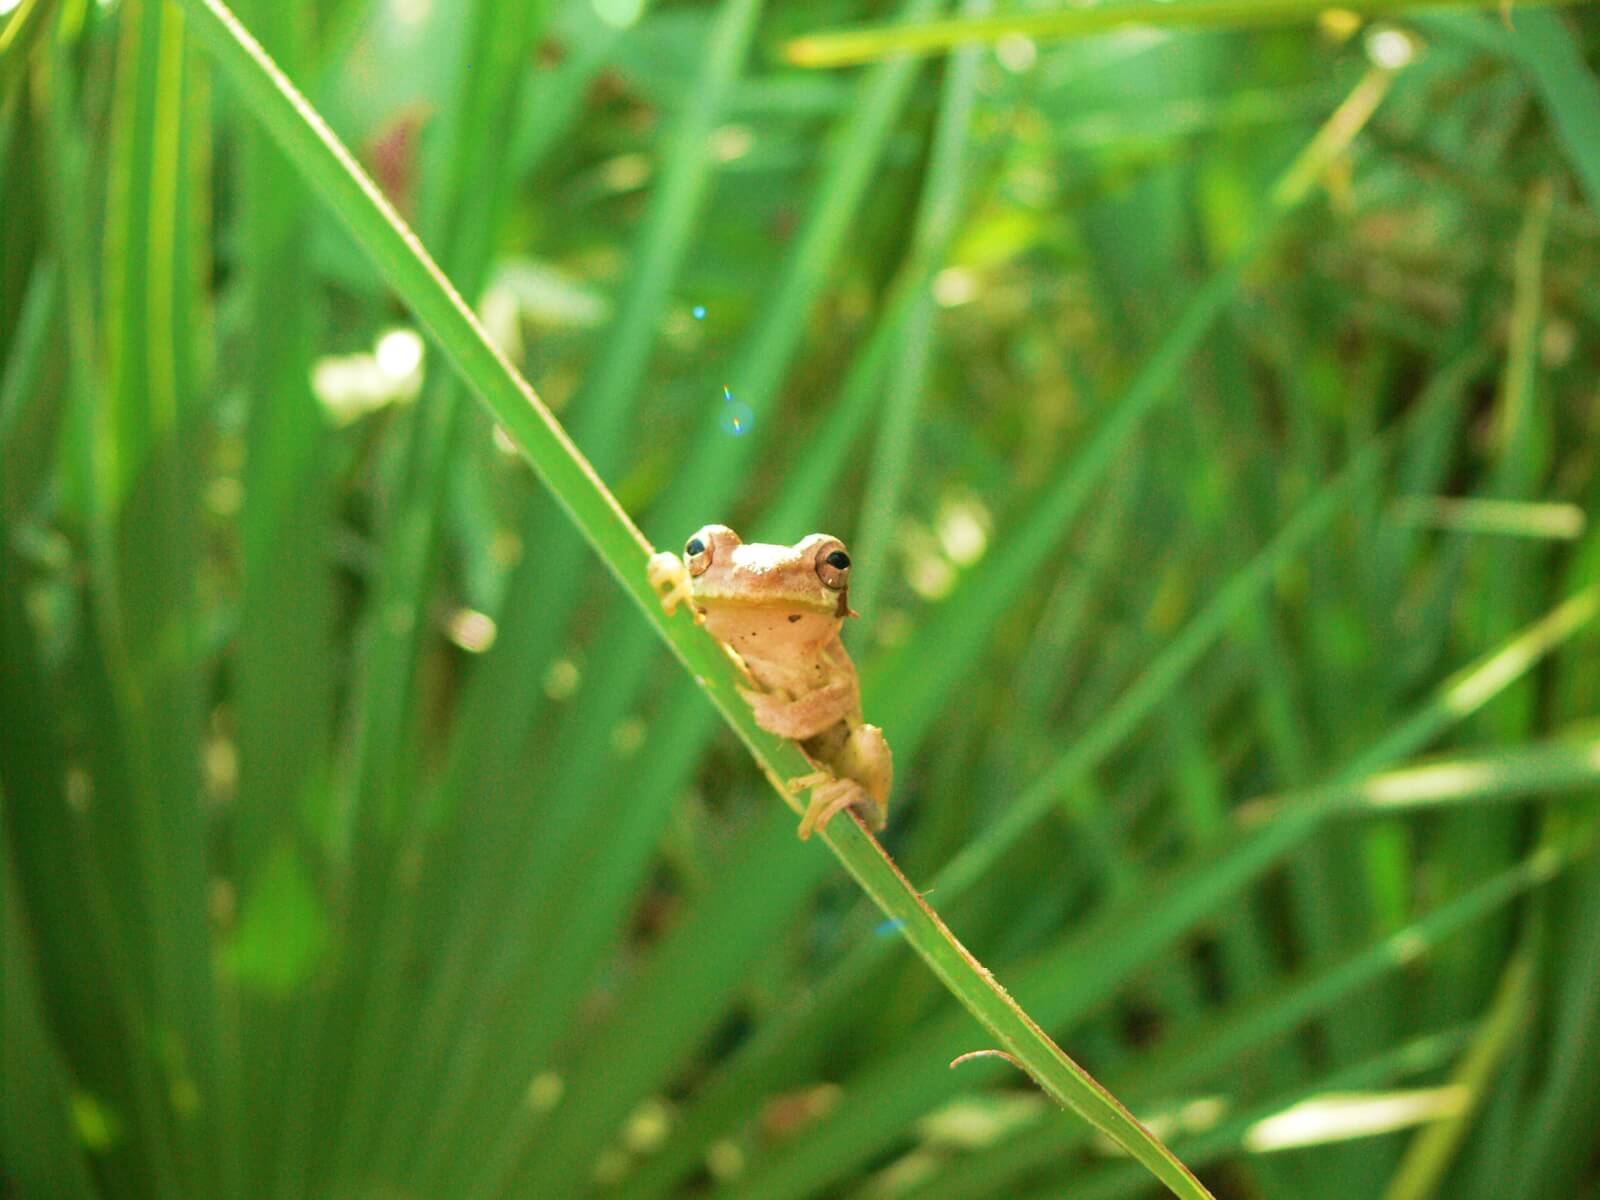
(779, 610)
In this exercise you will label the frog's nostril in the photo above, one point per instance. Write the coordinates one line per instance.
(793, 617)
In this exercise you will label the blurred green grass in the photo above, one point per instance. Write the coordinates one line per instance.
(357, 840)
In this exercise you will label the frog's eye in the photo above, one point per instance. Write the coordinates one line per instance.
(833, 567)
(709, 543)
(696, 555)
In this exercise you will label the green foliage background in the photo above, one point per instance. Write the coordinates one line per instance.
(1212, 415)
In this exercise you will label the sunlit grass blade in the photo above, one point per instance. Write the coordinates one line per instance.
(1194, 1054)
(1514, 518)
(1502, 775)
(847, 47)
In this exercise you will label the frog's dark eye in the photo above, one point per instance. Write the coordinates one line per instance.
(697, 551)
(833, 566)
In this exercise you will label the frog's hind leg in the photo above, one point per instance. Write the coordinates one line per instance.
(865, 773)
(865, 758)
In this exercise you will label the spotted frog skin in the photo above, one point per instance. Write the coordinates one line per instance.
(779, 610)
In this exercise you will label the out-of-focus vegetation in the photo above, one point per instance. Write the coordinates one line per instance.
(1214, 418)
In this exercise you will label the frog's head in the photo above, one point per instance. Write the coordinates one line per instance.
(800, 591)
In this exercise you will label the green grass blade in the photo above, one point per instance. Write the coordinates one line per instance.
(43, 1154)
(26, 390)
(284, 653)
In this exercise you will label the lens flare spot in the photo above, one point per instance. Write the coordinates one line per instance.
(699, 311)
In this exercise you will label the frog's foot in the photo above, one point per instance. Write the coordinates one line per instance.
(834, 796)
(668, 579)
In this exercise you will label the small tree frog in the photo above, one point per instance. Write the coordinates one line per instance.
(778, 610)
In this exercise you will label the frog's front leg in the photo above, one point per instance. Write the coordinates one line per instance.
(864, 774)
(668, 578)
(805, 716)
